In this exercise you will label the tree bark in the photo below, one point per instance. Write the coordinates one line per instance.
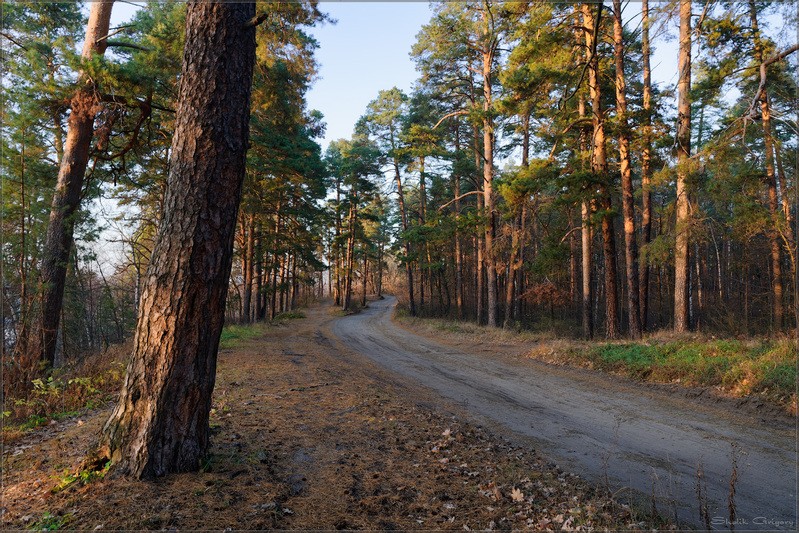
(488, 190)
(682, 227)
(771, 181)
(646, 158)
(599, 166)
(160, 424)
(66, 199)
(628, 206)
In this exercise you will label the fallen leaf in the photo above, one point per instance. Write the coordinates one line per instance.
(516, 495)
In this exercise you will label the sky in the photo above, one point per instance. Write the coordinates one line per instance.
(365, 52)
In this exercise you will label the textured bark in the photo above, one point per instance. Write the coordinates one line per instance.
(646, 159)
(771, 180)
(488, 191)
(66, 199)
(682, 228)
(422, 217)
(599, 166)
(160, 424)
(628, 206)
(586, 236)
(457, 238)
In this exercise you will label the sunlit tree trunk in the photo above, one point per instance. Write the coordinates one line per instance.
(599, 167)
(160, 424)
(67, 196)
(681, 264)
(771, 181)
(628, 206)
(488, 191)
(646, 158)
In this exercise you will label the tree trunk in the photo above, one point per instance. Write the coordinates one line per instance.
(599, 166)
(682, 229)
(586, 237)
(646, 158)
(628, 206)
(248, 264)
(488, 191)
(407, 244)
(160, 424)
(350, 258)
(771, 181)
(66, 199)
(422, 205)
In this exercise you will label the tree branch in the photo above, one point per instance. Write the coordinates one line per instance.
(449, 115)
(256, 20)
(123, 44)
(458, 198)
(773, 59)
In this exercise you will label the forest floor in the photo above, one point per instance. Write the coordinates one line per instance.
(309, 435)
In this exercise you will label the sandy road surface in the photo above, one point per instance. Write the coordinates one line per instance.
(608, 431)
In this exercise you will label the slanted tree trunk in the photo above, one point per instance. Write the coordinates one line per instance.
(646, 158)
(160, 424)
(682, 230)
(66, 199)
(628, 206)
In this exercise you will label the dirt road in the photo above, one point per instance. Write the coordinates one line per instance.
(607, 430)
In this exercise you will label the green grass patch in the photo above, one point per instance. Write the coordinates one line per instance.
(742, 367)
(234, 334)
(290, 315)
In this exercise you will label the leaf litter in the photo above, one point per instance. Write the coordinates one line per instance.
(361, 451)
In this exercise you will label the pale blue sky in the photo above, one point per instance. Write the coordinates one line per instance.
(365, 52)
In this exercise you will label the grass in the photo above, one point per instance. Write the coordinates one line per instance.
(740, 368)
(759, 366)
(233, 335)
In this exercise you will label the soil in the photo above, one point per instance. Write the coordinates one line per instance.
(308, 434)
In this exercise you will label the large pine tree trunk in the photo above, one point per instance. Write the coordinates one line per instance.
(488, 191)
(586, 237)
(66, 199)
(646, 158)
(628, 207)
(681, 264)
(771, 181)
(599, 166)
(160, 424)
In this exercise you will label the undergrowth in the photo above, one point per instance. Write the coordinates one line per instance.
(765, 367)
(67, 391)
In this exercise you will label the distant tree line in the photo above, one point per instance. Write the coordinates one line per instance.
(541, 179)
